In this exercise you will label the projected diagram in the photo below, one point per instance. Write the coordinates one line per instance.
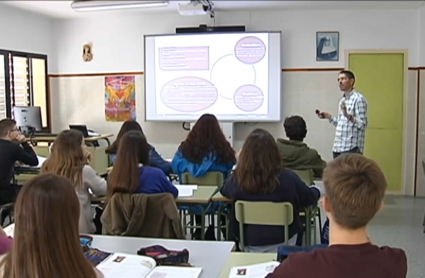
(232, 77)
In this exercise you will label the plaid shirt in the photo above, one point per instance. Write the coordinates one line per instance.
(350, 135)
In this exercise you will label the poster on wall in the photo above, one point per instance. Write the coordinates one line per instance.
(120, 98)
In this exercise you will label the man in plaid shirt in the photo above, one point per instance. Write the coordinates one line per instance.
(351, 121)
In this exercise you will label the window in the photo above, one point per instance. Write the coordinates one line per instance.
(23, 82)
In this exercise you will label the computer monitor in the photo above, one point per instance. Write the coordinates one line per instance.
(81, 128)
(28, 116)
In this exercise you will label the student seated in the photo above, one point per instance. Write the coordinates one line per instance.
(46, 239)
(355, 187)
(132, 173)
(155, 158)
(294, 153)
(13, 148)
(260, 176)
(69, 158)
(204, 150)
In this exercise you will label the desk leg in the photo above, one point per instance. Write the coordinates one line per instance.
(219, 221)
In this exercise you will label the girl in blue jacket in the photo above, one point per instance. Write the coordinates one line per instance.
(204, 150)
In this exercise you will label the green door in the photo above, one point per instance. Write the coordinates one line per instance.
(380, 78)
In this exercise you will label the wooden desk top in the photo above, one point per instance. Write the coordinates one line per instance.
(53, 138)
(220, 198)
(202, 195)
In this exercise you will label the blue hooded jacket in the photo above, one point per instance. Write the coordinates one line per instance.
(180, 164)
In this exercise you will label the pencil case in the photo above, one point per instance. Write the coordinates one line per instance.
(163, 256)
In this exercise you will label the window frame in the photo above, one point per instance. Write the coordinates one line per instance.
(8, 77)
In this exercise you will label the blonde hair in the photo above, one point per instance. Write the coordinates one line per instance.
(46, 238)
(67, 158)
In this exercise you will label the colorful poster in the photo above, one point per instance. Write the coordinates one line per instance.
(120, 98)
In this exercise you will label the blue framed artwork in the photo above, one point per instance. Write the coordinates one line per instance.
(327, 46)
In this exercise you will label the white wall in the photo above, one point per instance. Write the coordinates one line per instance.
(118, 40)
(421, 35)
(24, 31)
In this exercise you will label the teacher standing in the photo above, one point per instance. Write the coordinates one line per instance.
(351, 121)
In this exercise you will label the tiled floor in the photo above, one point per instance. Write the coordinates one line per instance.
(399, 224)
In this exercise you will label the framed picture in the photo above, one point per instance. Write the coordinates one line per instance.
(327, 46)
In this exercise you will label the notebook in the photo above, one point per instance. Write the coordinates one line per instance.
(253, 271)
(120, 265)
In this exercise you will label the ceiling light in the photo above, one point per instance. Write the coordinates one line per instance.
(85, 6)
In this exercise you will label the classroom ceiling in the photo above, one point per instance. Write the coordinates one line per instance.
(62, 9)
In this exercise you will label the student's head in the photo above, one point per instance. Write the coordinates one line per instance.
(46, 237)
(206, 138)
(346, 80)
(295, 128)
(126, 127)
(259, 163)
(355, 188)
(8, 129)
(132, 151)
(67, 157)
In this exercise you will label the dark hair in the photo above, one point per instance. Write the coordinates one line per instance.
(295, 128)
(206, 138)
(348, 74)
(126, 126)
(259, 163)
(355, 187)
(6, 125)
(133, 150)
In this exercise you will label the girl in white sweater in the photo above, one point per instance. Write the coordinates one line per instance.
(69, 158)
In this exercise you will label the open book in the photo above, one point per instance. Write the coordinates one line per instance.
(253, 271)
(120, 265)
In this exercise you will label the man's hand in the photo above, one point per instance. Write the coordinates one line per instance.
(324, 115)
(344, 111)
(21, 138)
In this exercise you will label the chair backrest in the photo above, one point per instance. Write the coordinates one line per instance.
(210, 178)
(306, 176)
(263, 213)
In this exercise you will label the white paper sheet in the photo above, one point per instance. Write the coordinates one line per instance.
(9, 230)
(126, 266)
(253, 271)
(184, 192)
(175, 272)
(191, 186)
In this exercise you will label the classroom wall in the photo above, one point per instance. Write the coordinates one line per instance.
(118, 40)
(21, 30)
(421, 35)
(80, 108)
(118, 47)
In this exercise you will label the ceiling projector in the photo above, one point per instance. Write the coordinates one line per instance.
(195, 8)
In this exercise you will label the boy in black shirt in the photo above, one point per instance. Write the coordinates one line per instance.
(13, 148)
